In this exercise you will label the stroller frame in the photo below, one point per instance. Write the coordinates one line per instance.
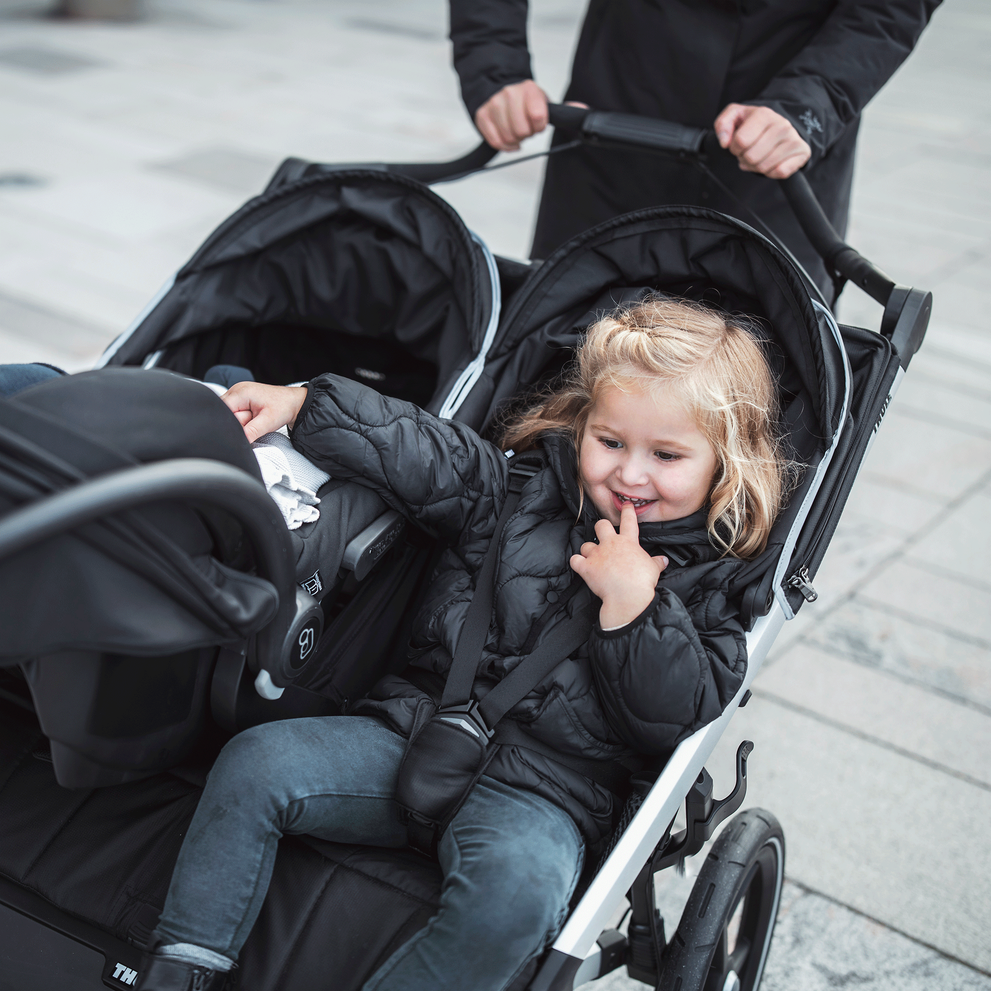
(585, 949)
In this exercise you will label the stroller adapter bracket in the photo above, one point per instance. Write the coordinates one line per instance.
(905, 320)
(703, 814)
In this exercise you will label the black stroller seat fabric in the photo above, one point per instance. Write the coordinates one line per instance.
(54, 847)
(358, 272)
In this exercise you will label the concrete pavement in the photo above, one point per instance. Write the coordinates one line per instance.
(125, 144)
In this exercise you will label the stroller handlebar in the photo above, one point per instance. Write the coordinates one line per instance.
(608, 128)
(603, 128)
(906, 310)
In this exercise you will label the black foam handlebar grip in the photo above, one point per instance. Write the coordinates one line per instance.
(606, 127)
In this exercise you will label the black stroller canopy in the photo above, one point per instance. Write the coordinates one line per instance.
(681, 251)
(356, 271)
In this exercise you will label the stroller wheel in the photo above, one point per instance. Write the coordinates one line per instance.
(726, 927)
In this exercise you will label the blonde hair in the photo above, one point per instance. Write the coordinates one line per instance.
(717, 369)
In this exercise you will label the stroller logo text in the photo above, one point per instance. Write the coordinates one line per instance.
(306, 639)
(125, 975)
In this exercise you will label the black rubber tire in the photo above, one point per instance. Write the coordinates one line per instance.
(744, 872)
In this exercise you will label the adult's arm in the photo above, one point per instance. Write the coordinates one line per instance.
(436, 472)
(855, 52)
(670, 671)
(489, 41)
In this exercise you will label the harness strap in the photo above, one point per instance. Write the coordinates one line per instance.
(468, 652)
(562, 641)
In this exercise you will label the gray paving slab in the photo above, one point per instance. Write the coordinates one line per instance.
(956, 666)
(229, 168)
(952, 462)
(42, 60)
(43, 326)
(914, 590)
(885, 709)
(969, 377)
(891, 505)
(966, 409)
(960, 544)
(963, 294)
(876, 830)
(859, 546)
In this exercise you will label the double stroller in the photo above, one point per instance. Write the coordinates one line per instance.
(154, 602)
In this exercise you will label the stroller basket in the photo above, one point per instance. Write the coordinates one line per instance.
(363, 270)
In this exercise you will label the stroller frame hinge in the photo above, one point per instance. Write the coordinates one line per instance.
(645, 933)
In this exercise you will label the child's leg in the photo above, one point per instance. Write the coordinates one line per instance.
(511, 861)
(333, 777)
(14, 378)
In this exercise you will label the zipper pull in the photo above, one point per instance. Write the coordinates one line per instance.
(802, 583)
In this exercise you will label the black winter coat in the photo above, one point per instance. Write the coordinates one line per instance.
(816, 62)
(638, 689)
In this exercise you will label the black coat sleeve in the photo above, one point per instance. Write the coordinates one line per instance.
(670, 671)
(490, 47)
(439, 473)
(855, 52)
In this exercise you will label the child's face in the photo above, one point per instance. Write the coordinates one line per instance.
(645, 447)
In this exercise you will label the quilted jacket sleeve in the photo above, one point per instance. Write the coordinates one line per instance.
(438, 473)
(855, 52)
(670, 671)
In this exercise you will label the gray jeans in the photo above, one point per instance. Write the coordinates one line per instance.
(510, 859)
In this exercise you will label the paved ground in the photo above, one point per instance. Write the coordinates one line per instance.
(123, 145)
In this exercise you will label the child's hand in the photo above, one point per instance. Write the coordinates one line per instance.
(262, 409)
(618, 570)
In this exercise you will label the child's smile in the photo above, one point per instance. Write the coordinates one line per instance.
(646, 449)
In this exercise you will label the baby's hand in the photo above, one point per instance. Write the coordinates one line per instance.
(618, 570)
(262, 409)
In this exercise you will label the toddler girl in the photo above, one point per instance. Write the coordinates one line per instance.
(659, 471)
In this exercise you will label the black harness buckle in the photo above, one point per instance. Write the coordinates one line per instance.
(466, 715)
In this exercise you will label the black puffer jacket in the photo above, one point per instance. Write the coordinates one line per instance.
(641, 688)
